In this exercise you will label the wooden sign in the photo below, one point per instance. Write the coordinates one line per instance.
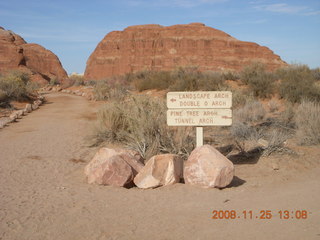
(199, 117)
(199, 109)
(213, 99)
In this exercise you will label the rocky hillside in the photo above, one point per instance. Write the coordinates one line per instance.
(155, 47)
(16, 53)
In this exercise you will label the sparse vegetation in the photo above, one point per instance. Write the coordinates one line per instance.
(298, 82)
(76, 80)
(260, 82)
(307, 119)
(252, 111)
(53, 81)
(109, 90)
(139, 122)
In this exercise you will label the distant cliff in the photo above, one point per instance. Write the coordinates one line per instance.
(17, 54)
(154, 47)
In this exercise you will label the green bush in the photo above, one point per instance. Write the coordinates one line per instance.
(298, 82)
(14, 85)
(139, 122)
(307, 120)
(105, 90)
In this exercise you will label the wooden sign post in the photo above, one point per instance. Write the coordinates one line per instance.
(199, 109)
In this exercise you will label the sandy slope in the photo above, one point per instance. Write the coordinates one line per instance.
(43, 193)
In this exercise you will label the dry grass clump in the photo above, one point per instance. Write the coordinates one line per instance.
(110, 90)
(252, 111)
(298, 82)
(16, 85)
(139, 122)
(307, 120)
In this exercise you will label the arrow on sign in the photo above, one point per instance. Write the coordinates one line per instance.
(173, 100)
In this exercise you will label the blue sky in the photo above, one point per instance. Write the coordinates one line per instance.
(72, 29)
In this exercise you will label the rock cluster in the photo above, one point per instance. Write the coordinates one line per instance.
(18, 114)
(206, 167)
(154, 47)
(40, 63)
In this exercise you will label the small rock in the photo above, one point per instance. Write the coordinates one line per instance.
(13, 116)
(160, 170)
(28, 108)
(263, 143)
(34, 106)
(207, 167)
(275, 166)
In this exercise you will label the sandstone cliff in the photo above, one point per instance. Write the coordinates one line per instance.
(17, 54)
(154, 47)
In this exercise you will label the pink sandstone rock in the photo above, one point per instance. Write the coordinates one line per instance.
(160, 170)
(207, 167)
(155, 47)
(115, 167)
(40, 63)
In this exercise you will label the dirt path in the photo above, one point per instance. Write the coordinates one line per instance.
(44, 195)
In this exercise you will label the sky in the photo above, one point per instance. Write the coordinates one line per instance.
(72, 29)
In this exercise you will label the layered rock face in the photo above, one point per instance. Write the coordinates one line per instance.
(17, 54)
(154, 47)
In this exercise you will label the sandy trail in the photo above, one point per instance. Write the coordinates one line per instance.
(44, 194)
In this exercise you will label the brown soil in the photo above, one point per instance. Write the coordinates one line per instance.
(44, 194)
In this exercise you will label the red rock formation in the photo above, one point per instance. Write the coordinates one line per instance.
(16, 54)
(155, 47)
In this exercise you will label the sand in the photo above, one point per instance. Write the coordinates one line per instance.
(44, 194)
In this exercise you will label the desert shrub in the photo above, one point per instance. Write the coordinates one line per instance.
(297, 83)
(13, 85)
(242, 133)
(32, 87)
(107, 90)
(151, 80)
(276, 139)
(90, 82)
(251, 71)
(273, 106)
(139, 122)
(191, 79)
(241, 97)
(54, 81)
(76, 80)
(307, 120)
(260, 82)
(252, 111)
(231, 76)
(211, 81)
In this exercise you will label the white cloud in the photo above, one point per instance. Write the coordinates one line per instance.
(288, 9)
(281, 8)
(179, 3)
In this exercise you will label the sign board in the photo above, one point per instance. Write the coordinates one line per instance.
(199, 117)
(206, 100)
